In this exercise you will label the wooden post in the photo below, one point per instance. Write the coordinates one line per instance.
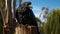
(22, 29)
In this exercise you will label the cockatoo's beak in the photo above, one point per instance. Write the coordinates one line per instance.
(30, 6)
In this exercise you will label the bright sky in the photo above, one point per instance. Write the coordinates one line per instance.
(38, 4)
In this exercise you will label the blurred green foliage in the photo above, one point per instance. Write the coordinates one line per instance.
(1, 22)
(53, 24)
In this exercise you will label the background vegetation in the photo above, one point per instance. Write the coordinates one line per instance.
(1, 22)
(53, 24)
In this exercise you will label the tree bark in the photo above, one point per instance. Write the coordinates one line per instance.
(8, 17)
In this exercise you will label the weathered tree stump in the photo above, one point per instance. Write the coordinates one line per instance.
(22, 29)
